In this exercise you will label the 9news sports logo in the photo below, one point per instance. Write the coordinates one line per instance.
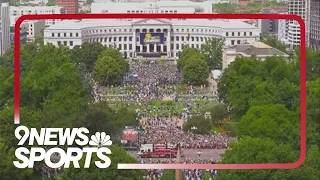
(59, 136)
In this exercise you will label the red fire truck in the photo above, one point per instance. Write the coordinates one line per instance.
(158, 151)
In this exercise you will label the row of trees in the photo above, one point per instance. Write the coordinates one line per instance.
(265, 101)
(255, 7)
(55, 92)
(196, 64)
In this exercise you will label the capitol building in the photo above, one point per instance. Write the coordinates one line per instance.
(150, 37)
(147, 38)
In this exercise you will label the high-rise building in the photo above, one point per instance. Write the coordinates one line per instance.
(279, 27)
(315, 24)
(71, 6)
(300, 8)
(5, 28)
(17, 11)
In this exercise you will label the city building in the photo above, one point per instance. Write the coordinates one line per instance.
(23, 33)
(4, 28)
(315, 24)
(150, 37)
(300, 8)
(147, 6)
(71, 6)
(279, 27)
(35, 29)
(17, 11)
(244, 3)
(258, 49)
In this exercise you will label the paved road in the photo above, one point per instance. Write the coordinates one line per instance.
(213, 154)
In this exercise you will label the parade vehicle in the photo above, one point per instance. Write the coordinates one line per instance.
(158, 151)
(130, 137)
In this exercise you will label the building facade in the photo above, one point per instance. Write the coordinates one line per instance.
(163, 6)
(315, 24)
(35, 29)
(302, 9)
(23, 33)
(260, 50)
(4, 28)
(279, 27)
(71, 6)
(16, 12)
(150, 37)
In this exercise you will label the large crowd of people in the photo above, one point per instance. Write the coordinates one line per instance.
(189, 174)
(168, 129)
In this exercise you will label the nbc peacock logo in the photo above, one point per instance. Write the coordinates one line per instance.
(100, 140)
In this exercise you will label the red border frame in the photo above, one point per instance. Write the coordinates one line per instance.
(176, 16)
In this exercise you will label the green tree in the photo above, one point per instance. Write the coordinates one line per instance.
(7, 170)
(202, 124)
(271, 121)
(219, 112)
(119, 155)
(195, 72)
(248, 82)
(87, 54)
(212, 49)
(110, 67)
(188, 54)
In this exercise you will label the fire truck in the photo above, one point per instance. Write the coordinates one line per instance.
(158, 151)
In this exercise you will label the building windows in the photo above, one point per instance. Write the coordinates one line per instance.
(114, 39)
(70, 34)
(245, 33)
(59, 42)
(58, 34)
(227, 34)
(77, 34)
(177, 38)
(52, 34)
(125, 38)
(71, 43)
(130, 38)
(65, 43)
(232, 33)
(250, 33)
(130, 46)
(120, 38)
(232, 42)
(125, 47)
(239, 34)
(65, 34)
(177, 46)
(238, 42)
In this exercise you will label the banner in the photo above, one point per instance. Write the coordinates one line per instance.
(130, 135)
(151, 38)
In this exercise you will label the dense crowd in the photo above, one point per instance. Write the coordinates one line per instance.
(168, 129)
(147, 82)
(190, 174)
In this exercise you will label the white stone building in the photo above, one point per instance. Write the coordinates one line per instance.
(4, 28)
(151, 6)
(258, 49)
(35, 29)
(150, 37)
(17, 11)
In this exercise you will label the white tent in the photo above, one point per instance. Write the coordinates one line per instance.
(216, 74)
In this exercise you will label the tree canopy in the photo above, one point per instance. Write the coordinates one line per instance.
(110, 67)
(264, 100)
(53, 94)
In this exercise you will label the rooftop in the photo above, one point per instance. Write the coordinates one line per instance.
(87, 23)
(257, 49)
